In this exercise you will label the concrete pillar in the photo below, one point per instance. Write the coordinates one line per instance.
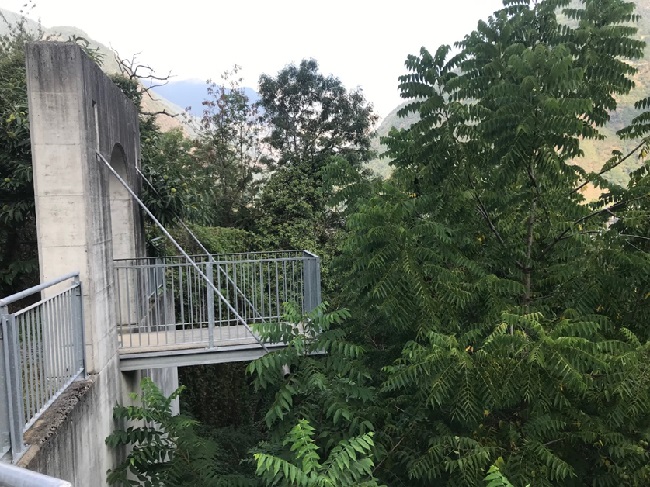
(85, 218)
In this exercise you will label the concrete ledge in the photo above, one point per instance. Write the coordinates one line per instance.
(67, 442)
(47, 425)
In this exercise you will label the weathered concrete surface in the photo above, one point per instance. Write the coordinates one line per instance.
(68, 443)
(85, 219)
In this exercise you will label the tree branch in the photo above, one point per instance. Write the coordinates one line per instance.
(609, 209)
(607, 169)
(161, 112)
(484, 213)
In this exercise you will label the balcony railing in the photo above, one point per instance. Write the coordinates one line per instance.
(165, 303)
(42, 354)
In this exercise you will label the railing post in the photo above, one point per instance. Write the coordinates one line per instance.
(14, 385)
(78, 326)
(311, 282)
(210, 301)
(5, 429)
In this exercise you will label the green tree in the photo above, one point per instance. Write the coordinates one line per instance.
(316, 384)
(176, 186)
(228, 148)
(209, 179)
(313, 121)
(482, 279)
(327, 391)
(18, 251)
(164, 449)
(348, 465)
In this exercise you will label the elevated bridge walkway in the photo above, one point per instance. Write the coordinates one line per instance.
(170, 312)
(175, 312)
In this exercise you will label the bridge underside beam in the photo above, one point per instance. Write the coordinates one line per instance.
(182, 358)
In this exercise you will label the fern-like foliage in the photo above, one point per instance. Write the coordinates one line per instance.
(164, 449)
(318, 377)
(495, 478)
(509, 314)
(349, 463)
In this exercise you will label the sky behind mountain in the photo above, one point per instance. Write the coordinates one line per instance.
(364, 43)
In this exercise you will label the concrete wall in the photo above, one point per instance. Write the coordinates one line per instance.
(85, 219)
(75, 450)
(76, 110)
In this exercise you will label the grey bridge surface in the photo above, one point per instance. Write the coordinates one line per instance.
(171, 313)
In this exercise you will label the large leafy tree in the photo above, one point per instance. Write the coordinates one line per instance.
(228, 148)
(512, 313)
(315, 393)
(207, 179)
(18, 256)
(166, 450)
(175, 186)
(313, 122)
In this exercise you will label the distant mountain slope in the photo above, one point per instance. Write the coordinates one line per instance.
(191, 94)
(380, 164)
(109, 65)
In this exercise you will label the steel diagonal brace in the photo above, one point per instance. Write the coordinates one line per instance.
(182, 251)
(196, 239)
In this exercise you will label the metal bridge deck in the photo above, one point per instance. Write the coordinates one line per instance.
(172, 312)
(179, 348)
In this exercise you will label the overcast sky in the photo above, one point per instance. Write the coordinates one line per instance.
(362, 42)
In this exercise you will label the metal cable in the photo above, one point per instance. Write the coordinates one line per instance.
(180, 249)
(196, 239)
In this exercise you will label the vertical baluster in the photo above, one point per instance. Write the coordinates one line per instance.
(28, 382)
(181, 298)
(126, 325)
(210, 301)
(14, 386)
(40, 360)
(46, 340)
(220, 288)
(285, 281)
(57, 343)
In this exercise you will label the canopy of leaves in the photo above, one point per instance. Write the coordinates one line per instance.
(165, 449)
(18, 255)
(516, 312)
(229, 150)
(315, 128)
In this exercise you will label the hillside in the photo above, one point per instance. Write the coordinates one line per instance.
(595, 152)
(191, 93)
(380, 164)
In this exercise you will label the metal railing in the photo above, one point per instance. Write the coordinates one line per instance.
(166, 302)
(12, 476)
(42, 353)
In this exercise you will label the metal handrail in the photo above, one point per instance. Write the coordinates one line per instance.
(184, 308)
(216, 291)
(41, 354)
(219, 258)
(12, 476)
(37, 289)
